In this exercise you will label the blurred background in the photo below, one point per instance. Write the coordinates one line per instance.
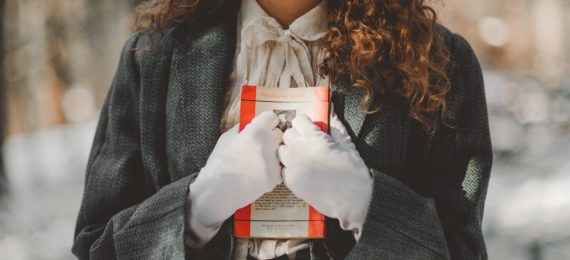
(58, 58)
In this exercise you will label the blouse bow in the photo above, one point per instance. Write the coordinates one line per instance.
(289, 54)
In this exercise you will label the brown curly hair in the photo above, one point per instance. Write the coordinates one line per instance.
(380, 45)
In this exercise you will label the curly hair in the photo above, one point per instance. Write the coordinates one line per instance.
(380, 45)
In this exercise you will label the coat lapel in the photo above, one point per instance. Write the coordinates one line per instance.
(201, 65)
(380, 137)
(346, 101)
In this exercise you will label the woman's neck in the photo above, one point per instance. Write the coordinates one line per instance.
(286, 11)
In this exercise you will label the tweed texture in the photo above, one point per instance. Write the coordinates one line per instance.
(161, 121)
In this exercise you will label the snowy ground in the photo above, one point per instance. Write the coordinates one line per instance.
(528, 200)
(46, 173)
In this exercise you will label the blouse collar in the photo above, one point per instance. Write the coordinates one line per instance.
(311, 26)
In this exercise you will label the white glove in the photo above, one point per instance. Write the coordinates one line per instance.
(327, 172)
(241, 168)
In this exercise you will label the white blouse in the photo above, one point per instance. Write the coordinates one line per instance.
(269, 55)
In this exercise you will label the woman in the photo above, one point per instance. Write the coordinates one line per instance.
(403, 174)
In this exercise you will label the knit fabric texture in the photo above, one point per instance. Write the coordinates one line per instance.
(161, 121)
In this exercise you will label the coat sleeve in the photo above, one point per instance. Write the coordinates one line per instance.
(123, 216)
(444, 222)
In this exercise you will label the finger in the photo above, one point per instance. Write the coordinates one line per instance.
(277, 135)
(291, 183)
(291, 136)
(276, 178)
(283, 175)
(336, 123)
(287, 178)
(304, 125)
(283, 155)
(230, 133)
(233, 130)
(267, 119)
(338, 131)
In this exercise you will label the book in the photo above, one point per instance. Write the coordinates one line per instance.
(279, 214)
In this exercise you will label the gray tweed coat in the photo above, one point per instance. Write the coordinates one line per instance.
(161, 120)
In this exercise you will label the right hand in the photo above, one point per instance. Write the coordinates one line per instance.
(242, 167)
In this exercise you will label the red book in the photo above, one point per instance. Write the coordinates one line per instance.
(279, 214)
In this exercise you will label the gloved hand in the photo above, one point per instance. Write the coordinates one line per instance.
(241, 168)
(327, 172)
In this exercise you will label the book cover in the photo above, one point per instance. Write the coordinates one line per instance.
(279, 214)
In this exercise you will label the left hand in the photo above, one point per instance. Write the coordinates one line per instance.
(326, 171)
